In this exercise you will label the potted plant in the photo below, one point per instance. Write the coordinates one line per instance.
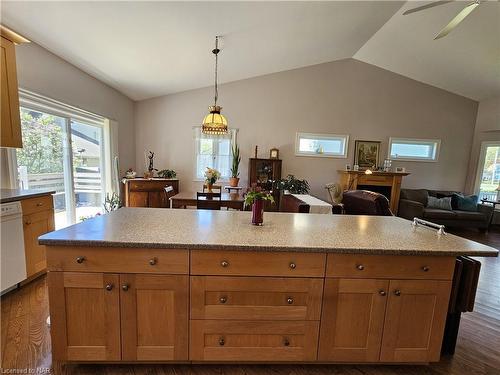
(211, 177)
(256, 197)
(234, 180)
(292, 185)
(167, 173)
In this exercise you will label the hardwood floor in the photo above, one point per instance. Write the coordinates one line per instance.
(25, 338)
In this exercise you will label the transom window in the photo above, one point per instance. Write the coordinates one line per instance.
(321, 145)
(414, 149)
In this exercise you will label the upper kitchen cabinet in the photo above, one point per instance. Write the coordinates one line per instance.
(10, 119)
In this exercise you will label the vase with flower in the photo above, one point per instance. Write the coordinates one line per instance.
(255, 198)
(211, 177)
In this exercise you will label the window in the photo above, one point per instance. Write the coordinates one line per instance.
(414, 149)
(214, 151)
(321, 145)
(63, 150)
(488, 173)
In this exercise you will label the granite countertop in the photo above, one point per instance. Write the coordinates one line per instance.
(12, 195)
(231, 230)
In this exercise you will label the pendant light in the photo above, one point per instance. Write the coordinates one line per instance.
(215, 123)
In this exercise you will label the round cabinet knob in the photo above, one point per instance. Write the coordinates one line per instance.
(397, 292)
(289, 300)
(360, 267)
(286, 342)
(382, 292)
(125, 287)
(222, 341)
(28, 222)
(80, 259)
(425, 268)
(292, 265)
(223, 299)
(39, 204)
(109, 287)
(153, 261)
(224, 263)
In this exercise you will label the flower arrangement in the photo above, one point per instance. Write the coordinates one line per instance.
(256, 197)
(257, 194)
(211, 176)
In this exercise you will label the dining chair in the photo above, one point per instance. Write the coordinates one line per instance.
(208, 201)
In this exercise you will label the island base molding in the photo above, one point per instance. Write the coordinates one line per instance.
(126, 305)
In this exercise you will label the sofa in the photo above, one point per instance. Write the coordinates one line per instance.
(413, 203)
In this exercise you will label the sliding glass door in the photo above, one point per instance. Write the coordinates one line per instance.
(488, 179)
(65, 155)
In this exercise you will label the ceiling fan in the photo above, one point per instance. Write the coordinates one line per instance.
(454, 22)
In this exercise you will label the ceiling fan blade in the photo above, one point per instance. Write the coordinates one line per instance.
(424, 7)
(458, 18)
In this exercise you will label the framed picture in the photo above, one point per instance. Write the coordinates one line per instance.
(366, 153)
(274, 153)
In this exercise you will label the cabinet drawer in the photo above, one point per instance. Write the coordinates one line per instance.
(257, 263)
(151, 185)
(374, 180)
(37, 204)
(257, 298)
(123, 260)
(384, 266)
(259, 341)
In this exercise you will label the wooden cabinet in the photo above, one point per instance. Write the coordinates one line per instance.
(9, 109)
(262, 172)
(149, 192)
(352, 320)
(38, 219)
(216, 340)
(415, 320)
(110, 317)
(154, 317)
(371, 320)
(85, 316)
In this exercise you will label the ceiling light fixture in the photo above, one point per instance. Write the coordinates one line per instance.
(214, 123)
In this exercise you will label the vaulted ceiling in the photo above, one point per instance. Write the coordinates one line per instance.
(148, 49)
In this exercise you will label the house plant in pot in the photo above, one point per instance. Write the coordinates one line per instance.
(211, 177)
(255, 198)
(234, 180)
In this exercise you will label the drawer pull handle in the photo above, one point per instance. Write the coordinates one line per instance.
(223, 299)
(397, 292)
(80, 260)
(382, 292)
(109, 287)
(289, 300)
(153, 261)
(222, 341)
(125, 287)
(360, 267)
(39, 204)
(286, 342)
(425, 268)
(28, 222)
(224, 263)
(293, 265)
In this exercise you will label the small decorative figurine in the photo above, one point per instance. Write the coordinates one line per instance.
(151, 168)
(256, 148)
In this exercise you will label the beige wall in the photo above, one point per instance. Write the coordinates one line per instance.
(342, 97)
(46, 74)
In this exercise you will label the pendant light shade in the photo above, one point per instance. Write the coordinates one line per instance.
(214, 123)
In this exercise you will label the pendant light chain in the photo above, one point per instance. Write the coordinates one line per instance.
(216, 52)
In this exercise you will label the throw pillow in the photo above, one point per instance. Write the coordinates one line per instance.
(441, 203)
(468, 203)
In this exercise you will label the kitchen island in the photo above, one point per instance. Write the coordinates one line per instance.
(159, 285)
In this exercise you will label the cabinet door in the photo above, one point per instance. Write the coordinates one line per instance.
(10, 118)
(154, 313)
(352, 319)
(85, 316)
(415, 320)
(34, 225)
(138, 199)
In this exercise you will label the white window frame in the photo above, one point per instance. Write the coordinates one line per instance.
(197, 133)
(322, 136)
(436, 143)
(480, 165)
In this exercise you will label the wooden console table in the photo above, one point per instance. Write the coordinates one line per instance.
(386, 183)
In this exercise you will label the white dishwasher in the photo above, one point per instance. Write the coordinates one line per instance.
(12, 259)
